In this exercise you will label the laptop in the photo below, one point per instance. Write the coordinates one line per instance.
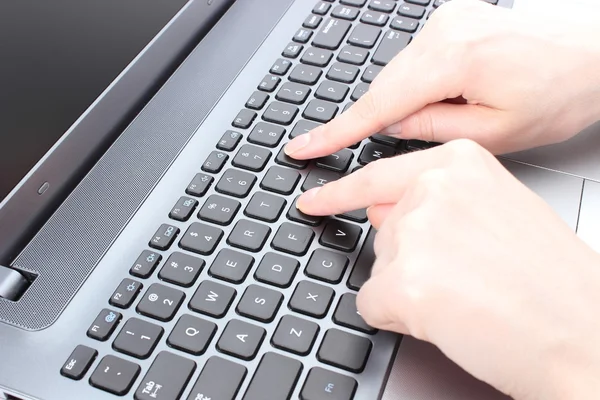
(149, 242)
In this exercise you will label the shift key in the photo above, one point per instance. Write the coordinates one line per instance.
(332, 34)
(393, 42)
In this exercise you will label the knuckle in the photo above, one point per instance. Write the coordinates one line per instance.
(466, 149)
(425, 126)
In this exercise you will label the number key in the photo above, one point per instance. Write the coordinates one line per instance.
(252, 158)
(181, 269)
(219, 210)
(160, 302)
(280, 113)
(236, 183)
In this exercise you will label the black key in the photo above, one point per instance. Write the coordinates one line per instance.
(215, 162)
(183, 209)
(241, 339)
(353, 55)
(426, 2)
(259, 303)
(371, 73)
(292, 50)
(317, 57)
(256, 102)
(231, 266)
(341, 235)
(359, 91)
(79, 362)
(303, 126)
(311, 299)
(212, 299)
(145, 264)
(280, 113)
(167, 378)
(341, 72)
(362, 268)
(321, 8)
(125, 293)
(331, 34)
(164, 237)
(181, 269)
(269, 83)
(364, 36)
(192, 335)
(385, 139)
(138, 338)
(104, 325)
(312, 21)
(346, 107)
(338, 161)
(356, 215)
(220, 379)
(160, 302)
(295, 335)
(419, 145)
(298, 216)
(280, 180)
(320, 111)
(243, 120)
(277, 270)
(332, 91)
(266, 134)
(231, 139)
(355, 3)
(219, 210)
(373, 152)
(412, 11)
(274, 379)
(199, 185)
(293, 239)
(239, 183)
(265, 206)
(252, 158)
(344, 350)
(281, 66)
(344, 12)
(201, 238)
(284, 159)
(115, 375)
(405, 24)
(327, 266)
(374, 18)
(324, 384)
(438, 3)
(248, 235)
(306, 74)
(346, 314)
(382, 5)
(319, 177)
(293, 93)
(302, 35)
(391, 44)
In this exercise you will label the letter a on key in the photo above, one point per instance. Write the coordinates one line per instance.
(242, 338)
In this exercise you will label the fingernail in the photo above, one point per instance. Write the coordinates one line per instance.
(307, 197)
(297, 144)
(394, 130)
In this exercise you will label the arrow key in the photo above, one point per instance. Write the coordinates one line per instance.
(341, 235)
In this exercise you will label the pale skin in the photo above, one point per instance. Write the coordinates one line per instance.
(467, 257)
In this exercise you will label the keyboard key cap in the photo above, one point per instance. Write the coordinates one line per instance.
(280, 180)
(281, 66)
(265, 206)
(212, 299)
(219, 210)
(371, 73)
(220, 379)
(295, 335)
(231, 139)
(215, 162)
(332, 91)
(321, 8)
(405, 24)
(312, 21)
(293, 239)
(338, 161)
(298, 216)
(425, 2)
(104, 325)
(183, 209)
(359, 91)
(341, 72)
(341, 235)
(192, 335)
(320, 111)
(126, 293)
(231, 266)
(201, 239)
(199, 185)
(331, 34)
(364, 36)
(306, 74)
(303, 126)
(265, 134)
(181, 269)
(311, 299)
(344, 350)
(280, 113)
(167, 378)
(275, 378)
(249, 235)
(355, 3)
(356, 215)
(239, 183)
(256, 102)
(353, 55)
(293, 93)
(145, 264)
(292, 50)
(277, 270)
(375, 151)
(79, 362)
(138, 338)
(385, 140)
(392, 43)
(164, 237)
(302, 35)
(324, 384)
(346, 314)
(243, 120)
(259, 303)
(410, 10)
(319, 177)
(241, 339)
(344, 12)
(362, 268)
(115, 375)
(374, 18)
(327, 266)
(160, 302)
(317, 57)
(252, 158)
(382, 5)
(284, 159)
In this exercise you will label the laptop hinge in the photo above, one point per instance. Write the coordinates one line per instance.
(12, 284)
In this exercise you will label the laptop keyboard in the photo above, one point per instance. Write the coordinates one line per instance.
(240, 203)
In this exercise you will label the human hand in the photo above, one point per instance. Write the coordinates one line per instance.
(524, 82)
(471, 260)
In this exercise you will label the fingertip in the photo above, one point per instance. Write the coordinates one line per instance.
(306, 201)
(295, 146)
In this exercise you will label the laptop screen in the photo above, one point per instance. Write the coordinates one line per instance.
(57, 57)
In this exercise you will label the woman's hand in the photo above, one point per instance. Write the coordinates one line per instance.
(522, 81)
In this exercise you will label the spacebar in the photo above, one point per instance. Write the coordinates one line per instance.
(362, 268)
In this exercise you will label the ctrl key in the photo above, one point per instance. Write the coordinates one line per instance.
(324, 384)
(79, 362)
(220, 379)
(115, 375)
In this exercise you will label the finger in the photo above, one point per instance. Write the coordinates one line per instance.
(377, 303)
(378, 213)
